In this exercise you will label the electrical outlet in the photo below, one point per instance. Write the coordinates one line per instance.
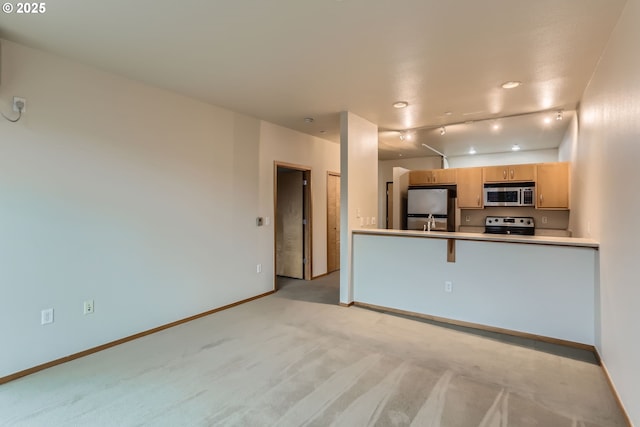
(545, 219)
(46, 316)
(88, 306)
(259, 268)
(467, 218)
(19, 102)
(373, 220)
(448, 286)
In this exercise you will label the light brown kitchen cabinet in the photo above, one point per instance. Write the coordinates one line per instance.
(510, 173)
(422, 177)
(470, 188)
(552, 185)
(444, 176)
(433, 176)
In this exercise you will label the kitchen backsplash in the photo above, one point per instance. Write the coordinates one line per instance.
(544, 220)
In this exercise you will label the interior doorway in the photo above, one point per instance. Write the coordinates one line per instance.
(333, 221)
(292, 226)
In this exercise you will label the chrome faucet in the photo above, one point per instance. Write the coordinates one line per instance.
(431, 222)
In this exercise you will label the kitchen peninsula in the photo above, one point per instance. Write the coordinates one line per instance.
(536, 286)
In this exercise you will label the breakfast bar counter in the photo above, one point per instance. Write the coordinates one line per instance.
(511, 238)
(538, 286)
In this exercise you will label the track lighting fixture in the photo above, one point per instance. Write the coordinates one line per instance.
(442, 130)
(559, 115)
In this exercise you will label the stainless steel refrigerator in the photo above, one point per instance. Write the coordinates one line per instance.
(439, 202)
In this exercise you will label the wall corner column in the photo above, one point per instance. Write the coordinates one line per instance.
(358, 189)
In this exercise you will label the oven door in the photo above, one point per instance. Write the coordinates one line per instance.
(502, 196)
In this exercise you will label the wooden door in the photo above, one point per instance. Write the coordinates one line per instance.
(333, 222)
(389, 204)
(289, 224)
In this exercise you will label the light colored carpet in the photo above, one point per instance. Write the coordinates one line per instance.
(295, 358)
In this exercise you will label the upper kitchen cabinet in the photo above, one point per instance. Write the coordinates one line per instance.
(552, 186)
(510, 173)
(434, 176)
(470, 188)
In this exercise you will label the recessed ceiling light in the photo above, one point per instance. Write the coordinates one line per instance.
(308, 119)
(400, 104)
(515, 147)
(472, 150)
(442, 130)
(448, 113)
(510, 84)
(495, 126)
(547, 120)
(559, 115)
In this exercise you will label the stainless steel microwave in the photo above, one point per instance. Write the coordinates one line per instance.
(510, 194)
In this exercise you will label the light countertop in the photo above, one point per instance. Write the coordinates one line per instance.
(538, 240)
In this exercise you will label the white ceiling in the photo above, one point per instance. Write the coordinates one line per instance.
(284, 60)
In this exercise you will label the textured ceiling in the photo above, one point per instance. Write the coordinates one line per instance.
(284, 60)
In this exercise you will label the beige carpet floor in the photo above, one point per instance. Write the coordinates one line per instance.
(295, 358)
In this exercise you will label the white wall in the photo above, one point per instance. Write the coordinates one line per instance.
(607, 160)
(511, 158)
(138, 198)
(568, 152)
(285, 145)
(400, 195)
(569, 144)
(385, 174)
(358, 188)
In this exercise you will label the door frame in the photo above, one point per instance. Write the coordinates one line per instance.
(329, 173)
(306, 212)
(386, 206)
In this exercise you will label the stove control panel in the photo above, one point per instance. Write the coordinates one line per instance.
(510, 221)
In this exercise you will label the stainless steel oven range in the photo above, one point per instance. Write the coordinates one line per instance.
(520, 225)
